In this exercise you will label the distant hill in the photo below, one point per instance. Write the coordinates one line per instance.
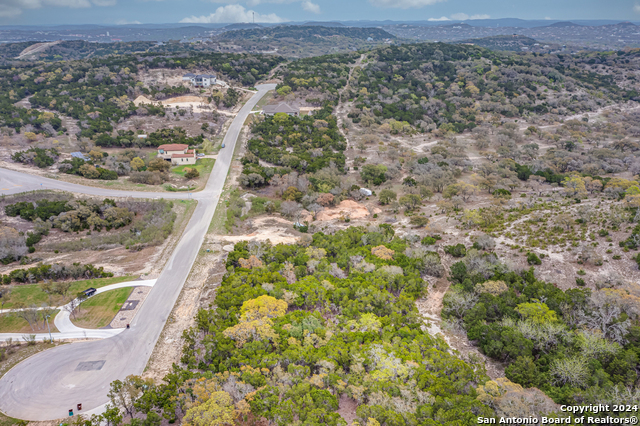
(234, 27)
(502, 42)
(306, 32)
(564, 24)
(322, 24)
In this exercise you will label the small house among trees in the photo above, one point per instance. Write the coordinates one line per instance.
(178, 153)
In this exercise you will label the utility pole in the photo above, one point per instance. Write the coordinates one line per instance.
(254, 18)
(47, 320)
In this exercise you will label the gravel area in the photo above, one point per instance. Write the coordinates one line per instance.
(131, 307)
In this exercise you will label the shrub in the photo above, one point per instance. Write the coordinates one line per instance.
(580, 282)
(419, 221)
(500, 192)
(12, 245)
(428, 241)
(39, 157)
(148, 178)
(325, 200)
(107, 174)
(382, 252)
(42, 209)
(191, 173)
(533, 259)
(459, 250)
(88, 171)
(55, 272)
(494, 288)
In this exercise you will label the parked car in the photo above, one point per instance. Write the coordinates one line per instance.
(222, 145)
(199, 155)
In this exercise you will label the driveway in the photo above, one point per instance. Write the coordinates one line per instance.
(47, 385)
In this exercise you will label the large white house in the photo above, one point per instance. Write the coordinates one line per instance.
(200, 80)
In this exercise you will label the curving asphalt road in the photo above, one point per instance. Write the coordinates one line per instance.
(47, 385)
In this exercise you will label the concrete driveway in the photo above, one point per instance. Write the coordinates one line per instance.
(47, 385)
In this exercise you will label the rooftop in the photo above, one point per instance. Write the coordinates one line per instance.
(173, 147)
(282, 107)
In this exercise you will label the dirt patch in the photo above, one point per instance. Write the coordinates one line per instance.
(275, 229)
(346, 209)
(347, 408)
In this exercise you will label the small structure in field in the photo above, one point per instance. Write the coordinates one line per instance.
(80, 155)
(270, 110)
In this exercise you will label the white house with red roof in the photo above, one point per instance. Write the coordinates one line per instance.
(179, 154)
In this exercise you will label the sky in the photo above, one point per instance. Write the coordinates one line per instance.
(58, 12)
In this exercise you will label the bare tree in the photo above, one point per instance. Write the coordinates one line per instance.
(315, 208)
(73, 307)
(45, 312)
(289, 208)
(29, 314)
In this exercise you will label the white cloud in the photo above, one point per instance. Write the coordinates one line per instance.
(442, 18)
(310, 7)
(10, 8)
(465, 17)
(547, 18)
(233, 13)
(8, 11)
(636, 8)
(404, 4)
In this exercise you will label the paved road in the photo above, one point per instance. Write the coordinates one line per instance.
(12, 182)
(47, 385)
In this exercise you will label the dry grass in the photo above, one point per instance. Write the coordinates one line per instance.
(11, 323)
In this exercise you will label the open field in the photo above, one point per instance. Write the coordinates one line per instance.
(99, 310)
(203, 166)
(12, 323)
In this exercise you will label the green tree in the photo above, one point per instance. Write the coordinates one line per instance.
(410, 201)
(124, 394)
(216, 411)
(284, 90)
(536, 312)
(158, 164)
(374, 173)
(136, 163)
(386, 196)
(89, 171)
